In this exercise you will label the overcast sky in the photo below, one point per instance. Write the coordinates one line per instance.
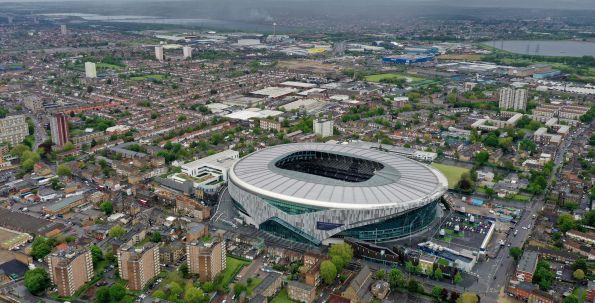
(568, 4)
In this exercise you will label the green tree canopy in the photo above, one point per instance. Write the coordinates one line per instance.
(37, 280)
(107, 207)
(116, 231)
(515, 252)
(328, 271)
(117, 292)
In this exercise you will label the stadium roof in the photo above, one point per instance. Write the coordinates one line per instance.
(391, 179)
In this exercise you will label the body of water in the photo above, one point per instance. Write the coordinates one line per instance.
(199, 22)
(546, 48)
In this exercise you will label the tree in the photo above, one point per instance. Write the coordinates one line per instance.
(196, 295)
(175, 289)
(580, 263)
(380, 274)
(341, 255)
(482, 157)
(117, 231)
(543, 275)
(409, 267)
(37, 280)
(466, 182)
(491, 140)
(571, 299)
(102, 295)
(117, 292)
(436, 291)
(413, 286)
(41, 247)
(183, 269)
(395, 278)
(468, 297)
(107, 207)
(458, 278)
(328, 271)
(566, 222)
(63, 170)
(160, 294)
(155, 237)
(238, 288)
(438, 274)
(96, 254)
(515, 252)
(208, 287)
(578, 274)
(68, 146)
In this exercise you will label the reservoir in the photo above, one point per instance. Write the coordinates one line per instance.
(564, 48)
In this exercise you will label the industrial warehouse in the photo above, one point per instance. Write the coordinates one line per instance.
(311, 192)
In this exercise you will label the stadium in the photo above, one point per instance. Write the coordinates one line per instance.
(310, 192)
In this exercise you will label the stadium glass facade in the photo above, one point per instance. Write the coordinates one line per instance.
(394, 228)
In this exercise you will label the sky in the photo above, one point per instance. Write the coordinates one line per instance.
(563, 4)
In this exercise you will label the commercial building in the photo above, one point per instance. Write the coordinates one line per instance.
(311, 192)
(300, 292)
(90, 70)
(323, 128)
(408, 59)
(187, 50)
(13, 129)
(70, 270)
(63, 29)
(59, 129)
(210, 173)
(138, 265)
(529, 70)
(206, 258)
(159, 52)
(515, 99)
(65, 205)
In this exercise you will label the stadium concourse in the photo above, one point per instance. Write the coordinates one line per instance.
(310, 192)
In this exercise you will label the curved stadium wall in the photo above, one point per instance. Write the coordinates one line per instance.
(312, 192)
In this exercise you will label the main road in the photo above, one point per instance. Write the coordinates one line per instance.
(503, 265)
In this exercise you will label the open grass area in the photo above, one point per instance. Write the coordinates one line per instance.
(380, 77)
(282, 297)
(521, 198)
(452, 173)
(148, 77)
(102, 65)
(233, 268)
(461, 57)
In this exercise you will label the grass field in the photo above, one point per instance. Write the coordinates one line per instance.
(380, 77)
(148, 77)
(462, 57)
(108, 66)
(282, 297)
(452, 173)
(233, 267)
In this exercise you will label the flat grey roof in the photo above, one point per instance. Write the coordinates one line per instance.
(401, 181)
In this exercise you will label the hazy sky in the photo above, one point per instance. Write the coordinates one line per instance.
(565, 4)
